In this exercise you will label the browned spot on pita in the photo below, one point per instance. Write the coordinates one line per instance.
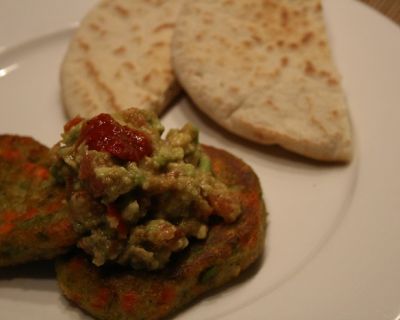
(318, 124)
(218, 100)
(284, 61)
(208, 20)
(196, 73)
(309, 69)
(147, 78)
(307, 37)
(122, 11)
(258, 15)
(135, 27)
(94, 26)
(96, 78)
(275, 73)
(129, 65)
(318, 7)
(269, 103)
(252, 84)
(163, 27)
(199, 36)
(270, 47)
(104, 5)
(152, 50)
(268, 3)
(83, 45)
(256, 38)
(159, 44)
(280, 43)
(119, 50)
(324, 74)
(284, 17)
(332, 82)
(234, 89)
(293, 46)
(247, 43)
(221, 62)
(259, 133)
(334, 113)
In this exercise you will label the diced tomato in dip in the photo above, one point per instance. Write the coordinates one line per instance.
(103, 133)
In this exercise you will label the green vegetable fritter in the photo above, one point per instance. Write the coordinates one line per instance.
(157, 220)
(34, 220)
(121, 293)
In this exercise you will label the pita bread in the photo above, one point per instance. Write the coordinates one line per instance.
(263, 70)
(120, 57)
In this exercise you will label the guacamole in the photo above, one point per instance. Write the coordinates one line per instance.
(135, 196)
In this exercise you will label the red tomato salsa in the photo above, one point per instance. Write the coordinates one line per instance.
(103, 133)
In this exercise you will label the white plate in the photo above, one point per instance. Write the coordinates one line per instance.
(333, 249)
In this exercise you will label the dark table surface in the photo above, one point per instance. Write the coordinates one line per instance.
(390, 8)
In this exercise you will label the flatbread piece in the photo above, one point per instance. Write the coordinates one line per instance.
(263, 69)
(118, 293)
(120, 58)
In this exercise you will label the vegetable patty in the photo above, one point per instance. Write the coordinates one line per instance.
(112, 292)
(34, 219)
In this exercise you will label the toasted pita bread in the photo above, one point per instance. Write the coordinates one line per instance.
(264, 70)
(120, 58)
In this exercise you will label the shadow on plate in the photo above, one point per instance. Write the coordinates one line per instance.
(39, 270)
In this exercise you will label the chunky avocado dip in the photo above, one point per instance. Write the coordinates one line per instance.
(136, 197)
